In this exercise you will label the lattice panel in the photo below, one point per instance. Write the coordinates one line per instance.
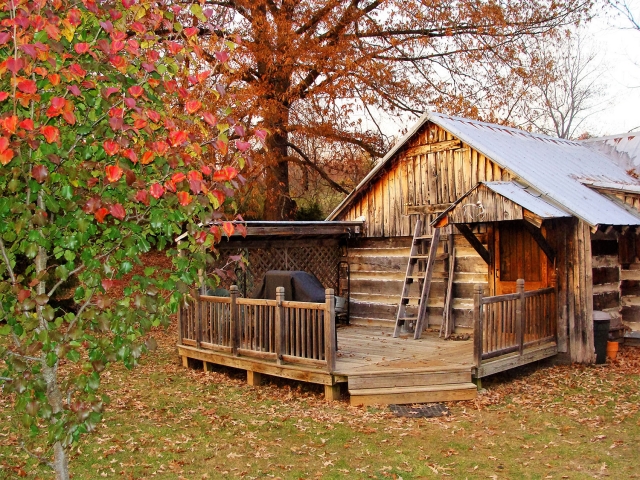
(321, 261)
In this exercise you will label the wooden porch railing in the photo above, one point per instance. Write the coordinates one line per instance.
(504, 324)
(274, 330)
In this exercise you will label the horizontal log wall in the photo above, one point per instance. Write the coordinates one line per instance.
(378, 267)
(432, 169)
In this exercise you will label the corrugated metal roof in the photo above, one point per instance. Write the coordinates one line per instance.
(624, 149)
(527, 198)
(550, 165)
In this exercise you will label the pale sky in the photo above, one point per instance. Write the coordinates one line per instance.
(619, 50)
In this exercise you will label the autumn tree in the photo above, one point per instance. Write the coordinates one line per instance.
(323, 68)
(104, 155)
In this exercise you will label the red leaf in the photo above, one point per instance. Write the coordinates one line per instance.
(92, 205)
(170, 185)
(14, 65)
(217, 235)
(100, 214)
(177, 137)
(174, 47)
(138, 27)
(127, 3)
(4, 144)
(131, 155)
(242, 146)
(226, 174)
(222, 56)
(107, 283)
(6, 156)
(147, 157)
(111, 147)
(192, 106)
(117, 211)
(3, 96)
(160, 147)
(261, 134)
(54, 79)
(110, 91)
(114, 173)
(153, 115)
(10, 123)
(26, 124)
(81, 48)
(210, 119)
(178, 177)
(156, 190)
(51, 134)
(200, 237)
(184, 198)
(219, 197)
(40, 173)
(191, 31)
(23, 295)
(69, 117)
(136, 91)
(142, 196)
(27, 86)
(77, 71)
(206, 170)
(228, 228)
(222, 146)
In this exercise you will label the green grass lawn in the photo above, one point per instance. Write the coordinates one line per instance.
(165, 421)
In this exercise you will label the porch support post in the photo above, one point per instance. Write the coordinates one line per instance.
(180, 320)
(330, 346)
(234, 324)
(520, 314)
(198, 311)
(279, 324)
(477, 325)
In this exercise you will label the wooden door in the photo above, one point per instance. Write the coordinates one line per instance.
(517, 255)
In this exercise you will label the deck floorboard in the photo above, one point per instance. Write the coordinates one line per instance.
(362, 349)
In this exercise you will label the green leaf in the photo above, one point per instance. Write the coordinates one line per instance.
(52, 358)
(73, 355)
(5, 330)
(66, 192)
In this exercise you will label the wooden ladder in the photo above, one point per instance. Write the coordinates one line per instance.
(424, 262)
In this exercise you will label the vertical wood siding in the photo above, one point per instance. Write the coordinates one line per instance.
(414, 178)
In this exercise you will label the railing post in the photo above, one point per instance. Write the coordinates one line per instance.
(521, 314)
(330, 346)
(198, 311)
(553, 308)
(279, 324)
(234, 323)
(180, 320)
(477, 325)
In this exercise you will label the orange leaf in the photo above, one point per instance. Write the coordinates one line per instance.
(147, 157)
(228, 228)
(51, 134)
(184, 198)
(114, 173)
(193, 106)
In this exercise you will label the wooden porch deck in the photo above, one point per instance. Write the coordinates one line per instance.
(300, 341)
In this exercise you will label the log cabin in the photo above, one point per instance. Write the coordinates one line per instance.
(505, 240)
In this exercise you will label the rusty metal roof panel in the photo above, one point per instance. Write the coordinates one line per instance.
(527, 198)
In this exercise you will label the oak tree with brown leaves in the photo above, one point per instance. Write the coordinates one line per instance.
(325, 68)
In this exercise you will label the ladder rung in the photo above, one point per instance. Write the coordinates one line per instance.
(440, 256)
(408, 318)
(411, 298)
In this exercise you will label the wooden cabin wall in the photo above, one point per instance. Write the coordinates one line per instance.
(378, 266)
(432, 169)
(571, 241)
(606, 268)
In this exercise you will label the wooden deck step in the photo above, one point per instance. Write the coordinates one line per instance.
(408, 378)
(416, 394)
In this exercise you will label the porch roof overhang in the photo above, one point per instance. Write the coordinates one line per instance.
(266, 230)
(500, 201)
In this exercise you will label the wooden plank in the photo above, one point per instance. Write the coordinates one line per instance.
(438, 393)
(427, 209)
(491, 367)
(536, 233)
(254, 379)
(383, 379)
(420, 322)
(293, 372)
(433, 147)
